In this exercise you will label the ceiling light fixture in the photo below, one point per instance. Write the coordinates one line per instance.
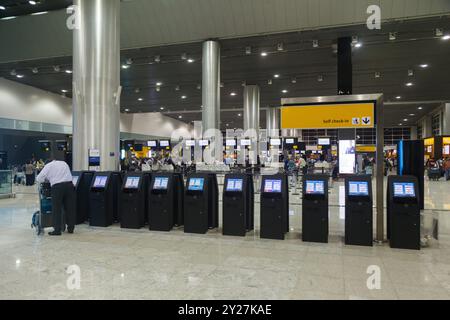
(276, 76)
(64, 90)
(127, 110)
(320, 78)
(377, 75)
(280, 47)
(190, 60)
(177, 88)
(358, 45)
(439, 32)
(239, 115)
(13, 72)
(180, 117)
(39, 13)
(264, 54)
(129, 61)
(405, 120)
(140, 99)
(424, 65)
(157, 59)
(2, 8)
(409, 84)
(398, 97)
(162, 108)
(315, 43)
(158, 89)
(8, 18)
(20, 76)
(222, 85)
(32, 2)
(411, 114)
(284, 91)
(158, 84)
(68, 71)
(184, 56)
(446, 37)
(125, 66)
(410, 72)
(294, 80)
(269, 82)
(248, 50)
(57, 68)
(392, 36)
(419, 108)
(233, 94)
(183, 97)
(35, 70)
(199, 87)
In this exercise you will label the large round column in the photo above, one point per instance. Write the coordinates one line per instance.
(272, 122)
(251, 108)
(96, 81)
(211, 85)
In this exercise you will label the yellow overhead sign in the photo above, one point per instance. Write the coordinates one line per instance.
(446, 140)
(363, 148)
(329, 116)
(428, 142)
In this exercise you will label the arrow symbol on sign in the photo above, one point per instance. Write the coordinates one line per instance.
(366, 120)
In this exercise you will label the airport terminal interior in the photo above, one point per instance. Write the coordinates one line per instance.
(225, 150)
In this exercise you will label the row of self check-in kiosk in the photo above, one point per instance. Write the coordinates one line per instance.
(163, 201)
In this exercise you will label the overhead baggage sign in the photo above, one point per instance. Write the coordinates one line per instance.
(328, 116)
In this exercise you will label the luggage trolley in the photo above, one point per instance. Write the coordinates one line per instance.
(43, 218)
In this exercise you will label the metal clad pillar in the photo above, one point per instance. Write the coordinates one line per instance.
(345, 67)
(379, 168)
(211, 85)
(96, 81)
(272, 122)
(251, 108)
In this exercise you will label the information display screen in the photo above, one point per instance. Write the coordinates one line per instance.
(404, 190)
(245, 142)
(446, 150)
(164, 143)
(100, 181)
(151, 144)
(231, 143)
(203, 143)
(315, 187)
(234, 185)
(161, 183)
(132, 183)
(347, 156)
(190, 143)
(289, 141)
(196, 184)
(358, 188)
(323, 141)
(272, 186)
(275, 142)
(75, 180)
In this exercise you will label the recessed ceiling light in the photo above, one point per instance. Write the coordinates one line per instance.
(183, 97)
(411, 114)
(64, 90)
(398, 97)
(69, 71)
(162, 108)
(392, 36)
(127, 110)
(8, 18)
(264, 54)
(284, 91)
(405, 120)
(39, 13)
(2, 8)
(248, 50)
(233, 94)
(32, 2)
(315, 43)
(239, 114)
(400, 124)
(269, 82)
(294, 80)
(420, 108)
(35, 70)
(180, 117)
(358, 45)
(125, 66)
(140, 99)
(57, 68)
(409, 84)
(20, 76)
(159, 84)
(276, 76)
(423, 66)
(190, 60)
(446, 37)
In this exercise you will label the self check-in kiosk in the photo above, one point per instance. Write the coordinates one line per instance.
(82, 184)
(165, 201)
(358, 210)
(101, 200)
(200, 203)
(238, 204)
(403, 212)
(315, 208)
(116, 181)
(133, 200)
(274, 207)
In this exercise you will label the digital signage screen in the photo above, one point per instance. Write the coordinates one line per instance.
(358, 188)
(196, 184)
(190, 143)
(347, 156)
(231, 143)
(272, 186)
(404, 190)
(161, 183)
(315, 187)
(234, 185)
(289, 141)
(323, 141)
(151, 144)
(100, 181)
(203, 143)
(132, 183)
(164, 143)
(275, 142)
(245, 142)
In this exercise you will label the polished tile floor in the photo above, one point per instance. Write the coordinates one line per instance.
(125, 264)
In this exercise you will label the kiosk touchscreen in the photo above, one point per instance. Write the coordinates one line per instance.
(133, 200)
(201, 203)
(237, 204)
(274, 207)
(358, 210)
(101, 200)
(403, 212)
(315, 208)
(165, 201)
(82, 183)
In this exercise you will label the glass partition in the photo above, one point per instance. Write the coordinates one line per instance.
(5, 182)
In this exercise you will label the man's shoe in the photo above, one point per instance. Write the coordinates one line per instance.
(70, 230)
(54, 233)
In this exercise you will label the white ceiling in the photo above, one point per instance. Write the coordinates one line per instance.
(148, 23)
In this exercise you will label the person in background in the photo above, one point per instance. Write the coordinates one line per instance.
(29, 173)
(447, 168)
(58, 174)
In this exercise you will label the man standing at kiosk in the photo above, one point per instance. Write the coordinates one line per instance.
(58, 174)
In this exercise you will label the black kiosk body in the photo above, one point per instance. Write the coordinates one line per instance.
(101, 200)
(238, 204)
(82, 183)
(274, 207)
(165, 201)
(201, 203)
(403, 212)
(358, 210)
(133, 200)
(116, 180)
(315, 208)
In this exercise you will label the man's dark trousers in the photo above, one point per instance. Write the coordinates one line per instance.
(63, 196)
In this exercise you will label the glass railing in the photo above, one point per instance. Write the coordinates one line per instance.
(5, 182)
